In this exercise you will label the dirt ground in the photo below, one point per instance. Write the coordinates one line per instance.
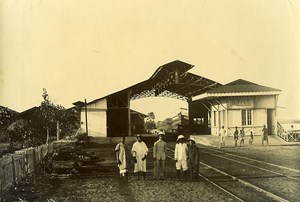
(106, 185)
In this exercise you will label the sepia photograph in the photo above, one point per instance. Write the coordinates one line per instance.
(139, 101)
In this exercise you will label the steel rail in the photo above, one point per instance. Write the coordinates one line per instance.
(213, 183)
(243, 157)
(247, 164)
(278, 198)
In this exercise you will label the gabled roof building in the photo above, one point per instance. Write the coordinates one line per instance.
(243, 104)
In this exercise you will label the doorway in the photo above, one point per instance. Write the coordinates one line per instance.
(270, 121)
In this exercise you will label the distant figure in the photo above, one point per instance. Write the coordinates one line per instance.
(236, 136)
(180, 156)
(222, 135)
(251, 137)
(193, 159)
(159, 155)
(139, 152)
(265, 135)
(242, 137)
(122, 155)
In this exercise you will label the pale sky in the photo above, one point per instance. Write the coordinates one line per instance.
(79, 49)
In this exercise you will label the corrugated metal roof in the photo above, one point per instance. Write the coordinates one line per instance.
(170, 80)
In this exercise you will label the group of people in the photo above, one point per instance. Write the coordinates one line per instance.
(186, 157)
(241, 135)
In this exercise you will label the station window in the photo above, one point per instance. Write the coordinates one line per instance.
(199, 121)
(246, 117)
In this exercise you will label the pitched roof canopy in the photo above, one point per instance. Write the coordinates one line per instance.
(172, 80)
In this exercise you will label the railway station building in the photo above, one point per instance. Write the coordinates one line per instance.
(243, 104)
(210, 104)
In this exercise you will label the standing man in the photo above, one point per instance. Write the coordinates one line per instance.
(122, 158)
(180, 156)
(193, 158)
(265, 135)
(251, 137)
(242, 137)
(159, 155)
(236, 136)
(222, 134)
(139, 152)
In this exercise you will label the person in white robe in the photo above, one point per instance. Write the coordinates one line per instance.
(139, 152)
(122, 158)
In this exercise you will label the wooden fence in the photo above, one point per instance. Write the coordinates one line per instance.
(14, 167)
(290, 135)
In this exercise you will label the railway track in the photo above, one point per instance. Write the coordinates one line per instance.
(238, 177)
(279, 170)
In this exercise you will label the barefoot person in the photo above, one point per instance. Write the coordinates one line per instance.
(242, 137)
(139, 152)
(236, 136)
(251, 137)
(222, 134)
(265, 135)
(122, 158)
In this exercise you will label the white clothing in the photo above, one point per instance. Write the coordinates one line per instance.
(223, 132)
(180, 156)
(180, 151)
(120, 149)
(181, 164)
(139, 151)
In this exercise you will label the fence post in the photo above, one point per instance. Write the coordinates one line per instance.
(1, 177)
(26, 164)
(34, 159)
(14, 169)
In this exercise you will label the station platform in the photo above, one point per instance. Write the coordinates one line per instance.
(214, 141)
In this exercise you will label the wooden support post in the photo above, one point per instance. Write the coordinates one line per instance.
(86, 118)
(191, 118)
(129, 117)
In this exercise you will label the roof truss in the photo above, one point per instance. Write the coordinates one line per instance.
(172, 80)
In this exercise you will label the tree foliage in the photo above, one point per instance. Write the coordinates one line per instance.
(42, 121)
(150, 122)
(7, 116)
(165, 125)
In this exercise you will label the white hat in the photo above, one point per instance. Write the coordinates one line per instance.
(180, 137)
(192, 139)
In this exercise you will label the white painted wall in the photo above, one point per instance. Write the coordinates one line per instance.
(265, 101)
(97, 121)
(234, 118)
(234, 105)
(260, 117)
